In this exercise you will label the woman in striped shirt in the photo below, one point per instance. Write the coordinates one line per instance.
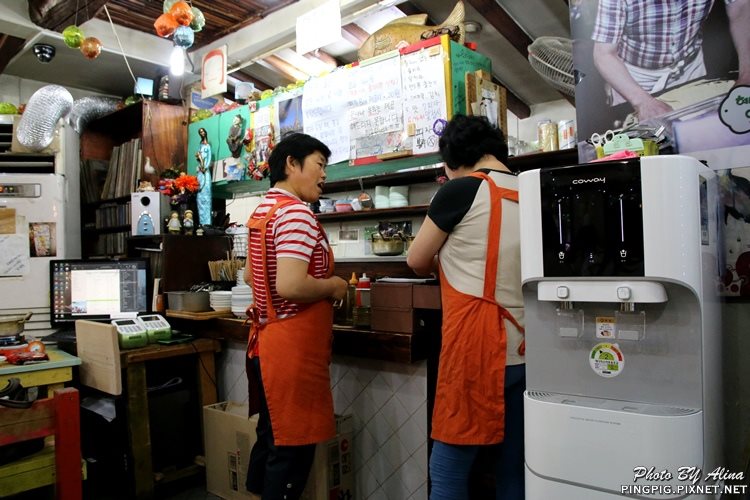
(290, 268)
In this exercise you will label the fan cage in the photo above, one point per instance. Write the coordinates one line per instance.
(552, 58)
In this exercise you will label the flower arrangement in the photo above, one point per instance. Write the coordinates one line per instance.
(179, 186)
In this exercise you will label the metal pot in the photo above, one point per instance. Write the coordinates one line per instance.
(13, 325)
(387, 246)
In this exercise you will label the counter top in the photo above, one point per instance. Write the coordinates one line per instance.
(398, 347)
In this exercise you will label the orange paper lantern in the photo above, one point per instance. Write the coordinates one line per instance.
(182, 13)
(165, 24)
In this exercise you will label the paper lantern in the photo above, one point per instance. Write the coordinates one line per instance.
(91, 47)
(165, 25)
(183, 37)
(182, 13)
(167, 6)
(73, 36)
(199, 20)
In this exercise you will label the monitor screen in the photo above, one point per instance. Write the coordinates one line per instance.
(97, 289)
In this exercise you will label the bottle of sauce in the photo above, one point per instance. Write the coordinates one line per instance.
(362, 302)
(349, 300)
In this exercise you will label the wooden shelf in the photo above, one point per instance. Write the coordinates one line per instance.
(342, 176)
(373, 214)
(198, 316)
(113, 201)
(409, 170)
(561, 158)
(109, 229)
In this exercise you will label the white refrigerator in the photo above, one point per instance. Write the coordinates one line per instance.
(39, 222)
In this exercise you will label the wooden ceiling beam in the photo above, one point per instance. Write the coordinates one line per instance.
(9, 47)
(353, 34)
(244, 77)
(56, 15)
(325, 57)
(289, 71)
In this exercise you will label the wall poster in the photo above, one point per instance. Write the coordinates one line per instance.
(663, 64)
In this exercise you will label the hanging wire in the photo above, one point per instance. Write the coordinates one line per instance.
(122, 51)
(75, 21)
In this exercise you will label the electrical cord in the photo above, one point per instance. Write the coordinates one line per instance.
(122, 51)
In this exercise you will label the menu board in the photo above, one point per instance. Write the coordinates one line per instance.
(374, 101)
(324, 112)
(424, 97)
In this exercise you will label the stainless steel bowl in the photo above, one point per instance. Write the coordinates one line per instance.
(387, 246)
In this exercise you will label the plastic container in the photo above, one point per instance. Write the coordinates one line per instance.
(189, 301)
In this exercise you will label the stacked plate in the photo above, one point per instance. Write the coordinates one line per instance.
(220, 300)
(242, 296)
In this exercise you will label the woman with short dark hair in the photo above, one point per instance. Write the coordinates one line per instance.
(290, 269)
(472, 229)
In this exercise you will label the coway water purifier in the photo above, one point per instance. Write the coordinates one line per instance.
(623, 330)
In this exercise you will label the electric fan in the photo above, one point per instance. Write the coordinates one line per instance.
(552, 58)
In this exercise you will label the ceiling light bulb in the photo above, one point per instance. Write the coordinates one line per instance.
(177, 61)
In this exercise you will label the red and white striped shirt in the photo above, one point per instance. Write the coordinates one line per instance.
(292, 232)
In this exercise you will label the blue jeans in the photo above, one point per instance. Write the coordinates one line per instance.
(450, 464)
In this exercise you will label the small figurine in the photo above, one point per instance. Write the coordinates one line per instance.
(187, 222)
(144, 186)
(234, 140)
(174, 226)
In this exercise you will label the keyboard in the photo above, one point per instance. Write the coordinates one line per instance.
(60, 337)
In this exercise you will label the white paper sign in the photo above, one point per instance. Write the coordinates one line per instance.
(324, 113)
(318, 27)
(14, 255)
(376, 119)
(262, 117)
(214, 72)
(424, 98)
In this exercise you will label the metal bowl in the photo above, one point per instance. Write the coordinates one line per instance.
(387, 246)
(12, 325)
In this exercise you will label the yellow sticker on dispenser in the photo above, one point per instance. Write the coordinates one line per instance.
(605, 327)
(607, 360)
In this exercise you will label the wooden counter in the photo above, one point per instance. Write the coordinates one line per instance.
(388, 346)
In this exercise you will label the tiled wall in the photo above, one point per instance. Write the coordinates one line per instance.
(388, 402)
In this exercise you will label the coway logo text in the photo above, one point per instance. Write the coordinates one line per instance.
(593, 179)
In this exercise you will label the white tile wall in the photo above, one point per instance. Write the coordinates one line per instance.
(388, 402)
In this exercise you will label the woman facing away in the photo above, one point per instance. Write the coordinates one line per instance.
(472, 232)
(290, 269)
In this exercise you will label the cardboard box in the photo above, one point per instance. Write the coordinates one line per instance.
(332, 474)
(229, 437)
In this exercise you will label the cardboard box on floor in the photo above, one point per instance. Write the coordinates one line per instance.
(229, 436)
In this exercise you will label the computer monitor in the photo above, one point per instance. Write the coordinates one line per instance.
(97, 289)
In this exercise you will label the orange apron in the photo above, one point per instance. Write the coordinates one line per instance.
(294, 357)
(469, 401)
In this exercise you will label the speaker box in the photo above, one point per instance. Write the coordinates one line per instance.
(147, 212)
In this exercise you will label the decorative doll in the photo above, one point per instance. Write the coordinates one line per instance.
(174, 226)
(203, 199)
(187, 222)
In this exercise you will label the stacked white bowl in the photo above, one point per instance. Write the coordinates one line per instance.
(398, 196)
(242, 296)
(220, 300)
